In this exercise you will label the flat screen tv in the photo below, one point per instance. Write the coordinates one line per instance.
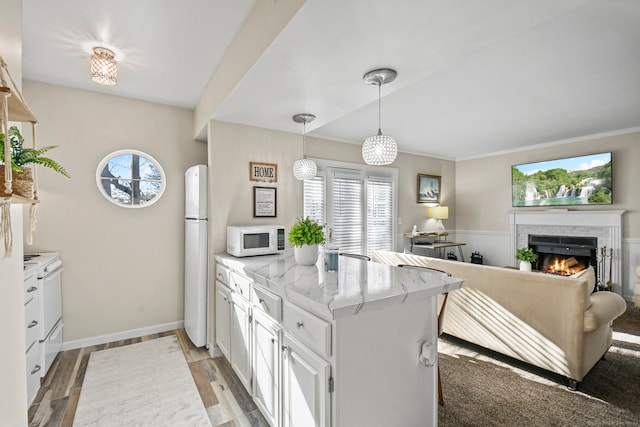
(581, 180)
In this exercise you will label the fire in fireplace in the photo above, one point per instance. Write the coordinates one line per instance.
(564, 255)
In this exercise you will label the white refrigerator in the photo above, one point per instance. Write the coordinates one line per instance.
(195, 255)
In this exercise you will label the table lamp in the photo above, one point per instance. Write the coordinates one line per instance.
(439, 213)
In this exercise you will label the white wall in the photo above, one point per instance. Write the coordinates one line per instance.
(123, 268)
(13, 391)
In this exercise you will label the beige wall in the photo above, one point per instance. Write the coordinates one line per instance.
(13, 391)
(483, 186)
(123, 268)
(232, 147)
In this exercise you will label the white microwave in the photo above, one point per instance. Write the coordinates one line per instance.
(254, 240)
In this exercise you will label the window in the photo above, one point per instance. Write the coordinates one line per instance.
(130, 178)
(356, 202)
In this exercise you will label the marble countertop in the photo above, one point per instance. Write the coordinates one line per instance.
(358, 286)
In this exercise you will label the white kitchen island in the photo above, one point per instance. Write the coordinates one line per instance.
(356, 347)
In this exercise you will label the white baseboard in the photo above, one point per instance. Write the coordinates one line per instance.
(215, 351)
(133, 333)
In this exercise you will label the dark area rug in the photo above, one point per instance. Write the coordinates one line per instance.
(483, 388)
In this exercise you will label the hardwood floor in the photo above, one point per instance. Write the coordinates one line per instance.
(227, 402)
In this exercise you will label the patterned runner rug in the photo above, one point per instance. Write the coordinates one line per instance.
(143, 384)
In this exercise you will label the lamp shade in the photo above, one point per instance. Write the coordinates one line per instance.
(439, 212)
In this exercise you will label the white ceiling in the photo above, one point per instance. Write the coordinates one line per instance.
(474, 78)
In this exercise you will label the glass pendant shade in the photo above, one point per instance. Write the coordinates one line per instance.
(379, 150)
(104, 68)
(304, 169)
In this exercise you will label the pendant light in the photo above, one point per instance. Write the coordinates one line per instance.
(379, 149)
(304, 168)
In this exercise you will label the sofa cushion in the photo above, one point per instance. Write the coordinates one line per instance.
(605, 307)
(590, 276)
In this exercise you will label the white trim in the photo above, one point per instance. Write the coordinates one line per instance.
(479, 232)
(123, 335)
(214, 351)
(555, 143)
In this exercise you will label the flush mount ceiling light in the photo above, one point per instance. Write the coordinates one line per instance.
(379, 149)
(104, 68)
(304, 168)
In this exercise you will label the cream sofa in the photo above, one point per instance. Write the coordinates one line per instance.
(546, 320)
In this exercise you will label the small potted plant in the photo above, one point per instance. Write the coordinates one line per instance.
(305, 236)
(526, 256)
(21, 157)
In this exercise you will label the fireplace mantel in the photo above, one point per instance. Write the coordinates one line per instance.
(605, 225)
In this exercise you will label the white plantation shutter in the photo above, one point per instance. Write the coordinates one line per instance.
(313, 190)
(347, 209)
(379, 214)
(358, 210)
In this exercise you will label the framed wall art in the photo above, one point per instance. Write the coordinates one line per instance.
(263, 172)
(428, 189)
(264, 202)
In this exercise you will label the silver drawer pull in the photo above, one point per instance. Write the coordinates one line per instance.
(299, 325)
(33, 324)
(36, 369)
(32, 289)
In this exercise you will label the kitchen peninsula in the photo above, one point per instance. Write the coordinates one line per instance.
(345, 348)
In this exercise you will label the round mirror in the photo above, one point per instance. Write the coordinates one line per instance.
(130, 178)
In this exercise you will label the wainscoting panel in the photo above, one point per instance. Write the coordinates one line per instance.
(492, 245)
(630, 260)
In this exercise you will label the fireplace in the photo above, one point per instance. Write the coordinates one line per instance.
(564, 255)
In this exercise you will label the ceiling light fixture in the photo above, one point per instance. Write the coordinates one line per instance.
(304, 168)
(379, 149)
(104, 68)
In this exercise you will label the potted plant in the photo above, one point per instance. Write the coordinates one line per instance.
(526, 256)
(21, 157)
(305, 236)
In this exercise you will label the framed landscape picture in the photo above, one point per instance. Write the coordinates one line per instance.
(428, 189)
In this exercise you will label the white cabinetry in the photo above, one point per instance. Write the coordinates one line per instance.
(241, 339)
(364, 354)
(305, 386)
(223, 316)
(32, 345)
(266, 365)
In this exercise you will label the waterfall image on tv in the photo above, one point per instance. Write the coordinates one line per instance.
(582, 180)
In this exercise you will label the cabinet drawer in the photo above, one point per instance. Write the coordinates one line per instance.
(240, 284)
(33, 371)
(30, 288)
(222, 274)
(308, 328)
(31, 322)
(267, 301)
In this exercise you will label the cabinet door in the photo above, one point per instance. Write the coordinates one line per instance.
(223, 317)
(266, 366)
(306, 386)
(241, 339)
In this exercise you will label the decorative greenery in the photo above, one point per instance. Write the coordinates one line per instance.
(526, 254)
(21, 156)
(306, 232)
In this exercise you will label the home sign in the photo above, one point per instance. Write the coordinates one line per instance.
(263, 172)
